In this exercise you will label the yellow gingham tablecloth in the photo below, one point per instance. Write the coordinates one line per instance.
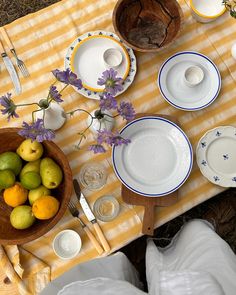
(41, 40)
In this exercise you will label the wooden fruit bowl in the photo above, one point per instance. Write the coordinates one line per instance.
(9, 141)
(147, 25)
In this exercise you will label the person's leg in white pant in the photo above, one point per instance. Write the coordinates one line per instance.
(197, 247)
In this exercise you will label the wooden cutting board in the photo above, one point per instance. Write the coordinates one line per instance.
(149, 203)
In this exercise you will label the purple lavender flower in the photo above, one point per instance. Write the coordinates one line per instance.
(97, 148)
(112, 84)
(110, 138)
(104, 136)
(54, 94)
(126, 111)
(108, 102)
(36, 131)
(8, 106)
(67, 77)
(118, 140)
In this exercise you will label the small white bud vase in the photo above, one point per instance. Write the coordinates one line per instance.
(54, 117)
(101, 122)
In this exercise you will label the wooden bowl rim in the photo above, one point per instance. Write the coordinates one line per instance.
(63, 204)
(180, 11)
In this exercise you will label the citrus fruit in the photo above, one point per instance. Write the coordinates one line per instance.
(30, 180)
(45, 207)
(7, 178)
(38, 192)
(15, 195)
(21, 217)
(10, 160)
(30, 150)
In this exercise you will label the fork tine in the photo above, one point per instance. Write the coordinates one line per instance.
(23, 69)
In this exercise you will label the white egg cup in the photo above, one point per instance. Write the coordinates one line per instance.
(193, 76)
(112, 58)
(67, 244)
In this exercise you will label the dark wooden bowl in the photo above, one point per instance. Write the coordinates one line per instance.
(147, 25)
(9, 141)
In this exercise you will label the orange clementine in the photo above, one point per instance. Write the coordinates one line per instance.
(45, 207)
(15, 195)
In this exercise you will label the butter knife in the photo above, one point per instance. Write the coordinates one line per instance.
(11, 70)
(90, 216)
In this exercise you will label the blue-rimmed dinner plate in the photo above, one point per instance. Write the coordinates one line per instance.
(157, 161)
(175, 91)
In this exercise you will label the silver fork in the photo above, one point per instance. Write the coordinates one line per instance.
(75, 213)
(19, 62)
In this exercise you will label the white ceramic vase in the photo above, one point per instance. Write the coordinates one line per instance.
(54, 117)
(107, 122)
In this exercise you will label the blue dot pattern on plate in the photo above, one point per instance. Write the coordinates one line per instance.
(216, 178)
(226, 157)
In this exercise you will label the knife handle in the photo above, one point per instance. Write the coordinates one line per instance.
(6, 38)
(101, 237)
(93, 240)
(2, 50)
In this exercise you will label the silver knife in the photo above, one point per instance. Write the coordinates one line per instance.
(90, 216)
(11, 70)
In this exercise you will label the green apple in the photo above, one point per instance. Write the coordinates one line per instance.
(30, 150)
(38, 192)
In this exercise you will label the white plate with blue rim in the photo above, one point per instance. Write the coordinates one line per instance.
(216, 156)
(157, 161)
(85, 58)
(174, 89)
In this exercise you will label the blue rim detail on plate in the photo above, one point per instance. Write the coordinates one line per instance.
(179, 107)
(191, 156)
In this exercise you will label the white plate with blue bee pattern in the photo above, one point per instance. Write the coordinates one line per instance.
(84, 57)
(216, 156)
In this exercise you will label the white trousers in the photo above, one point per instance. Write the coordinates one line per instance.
(197, 262)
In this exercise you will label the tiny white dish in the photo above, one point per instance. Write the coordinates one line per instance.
(112, 58)
(193, 76)
(157, 161)
(207, 10)
(67, 244)
(175, 91)
(85, 57)
(216, 156)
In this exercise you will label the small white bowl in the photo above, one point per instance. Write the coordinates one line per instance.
(67, 244)
(206, 11)
(193, 76)
(112, 58)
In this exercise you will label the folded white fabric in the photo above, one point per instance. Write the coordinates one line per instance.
(101, 286)
(114, 267)
(185, 283)
(197, 262)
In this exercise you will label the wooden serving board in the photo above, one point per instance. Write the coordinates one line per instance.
(149, 203)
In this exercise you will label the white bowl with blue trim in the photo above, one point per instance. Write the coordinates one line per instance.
(172, 84)
(158, 160)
